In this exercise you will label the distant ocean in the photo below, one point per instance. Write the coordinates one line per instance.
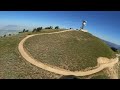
(3, 32)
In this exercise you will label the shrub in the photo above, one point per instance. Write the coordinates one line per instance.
(23, 30)
(114, 49)
(9, 34)
(49, 27)
(4, 36)
(20, 32)
(26, 30)
(34, 30)
(39, 29)
(57, 27)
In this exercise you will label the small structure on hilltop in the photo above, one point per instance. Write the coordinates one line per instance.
(83, 25)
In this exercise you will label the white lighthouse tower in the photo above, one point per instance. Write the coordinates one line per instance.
(83, 25)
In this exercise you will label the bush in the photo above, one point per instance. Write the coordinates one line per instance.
(46, 27)
(114, 49)
(4, 36)
(26, 30)
(9, 34)
(34, 30)
(20, 32)
(49, 27)
(39, 29)
(57, 27)
(23, 30)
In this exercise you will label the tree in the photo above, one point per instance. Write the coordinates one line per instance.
(39, 29)
(46, 27)
(20, 32)
(9, 34)
(114, 49)
(50, 27)
(26, 30)
(57, 27)
(4, 36)
(23, 30)
(34, 30)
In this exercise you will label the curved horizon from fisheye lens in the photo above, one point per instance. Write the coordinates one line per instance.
(103, 24)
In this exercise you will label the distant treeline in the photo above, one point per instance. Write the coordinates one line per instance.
(24, 31)
(40, 28)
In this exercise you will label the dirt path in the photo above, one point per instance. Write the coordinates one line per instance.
(59, 70)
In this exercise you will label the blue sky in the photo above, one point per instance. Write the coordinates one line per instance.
(103, 24)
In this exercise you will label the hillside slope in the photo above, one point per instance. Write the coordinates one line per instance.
(110, 44)
(73, 50)
(13, 65)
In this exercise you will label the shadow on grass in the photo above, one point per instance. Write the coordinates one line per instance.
(69, 77)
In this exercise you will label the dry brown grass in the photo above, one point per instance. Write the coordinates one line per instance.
(73, 50)
(13, 66)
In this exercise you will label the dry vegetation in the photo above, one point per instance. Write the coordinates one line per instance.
(73, 50)
(13, 66)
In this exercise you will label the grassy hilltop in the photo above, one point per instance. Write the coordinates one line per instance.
(73, 50)
(82, 50)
